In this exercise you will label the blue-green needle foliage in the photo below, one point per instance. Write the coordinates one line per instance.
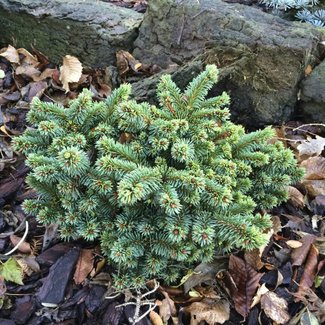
(161, 187)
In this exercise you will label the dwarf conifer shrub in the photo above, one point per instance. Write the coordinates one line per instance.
(161, 187)
(309, 11)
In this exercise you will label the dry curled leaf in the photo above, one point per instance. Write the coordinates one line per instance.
(260, 292)
(314, 187)
(314, 168)
(28, 264)
(310, 269)
(314, 179)
(205, 272)
(311, 147)
(294, 243)
(11, 54)
(296, 197)
(167, 308)
(275, 307)
(24, 247)
(211, 311)
(28, 58)
(299, 254)
(28, 71)
(155, 318)
(70, 71)
(125, 61)
(47, 73)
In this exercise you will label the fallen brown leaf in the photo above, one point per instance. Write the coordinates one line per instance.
(51, 232)
(31, 262)
(314, 187)
(320, 244)
(315, 168)
(205, 272)
(125, 61)
(314, 304)
(246, 280)
(11, 54)
(314, 180)
(296, 197)
(70, 71)
(311, 147)
(275, 307)
(310, 269)
(47, 73)
(28, 58)
(155, 318)
(260, 292)
(10, 96)
(33, 89)
(294, 243)
(299, 254)
(42, 59)
(28, 264)
(276, 226)
(28, 71)
(104, 90)
(209, 310)
(84, 265)
(24, 247)
(167, 308)
(253, 258)
(295, 222)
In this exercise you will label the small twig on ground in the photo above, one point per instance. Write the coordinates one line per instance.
(139, 303)
(310, 124)
(291, 140)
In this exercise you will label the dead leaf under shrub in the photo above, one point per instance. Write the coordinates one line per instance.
(11, 54)
(246, 280)
(275, 307)
(209, 310)
(70, 71)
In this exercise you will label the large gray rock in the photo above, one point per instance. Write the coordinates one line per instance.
(91, 30)
(313, 95)
(262, 57)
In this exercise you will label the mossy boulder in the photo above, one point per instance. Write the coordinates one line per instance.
(313, 95)
(91, 30)
(261, 57)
